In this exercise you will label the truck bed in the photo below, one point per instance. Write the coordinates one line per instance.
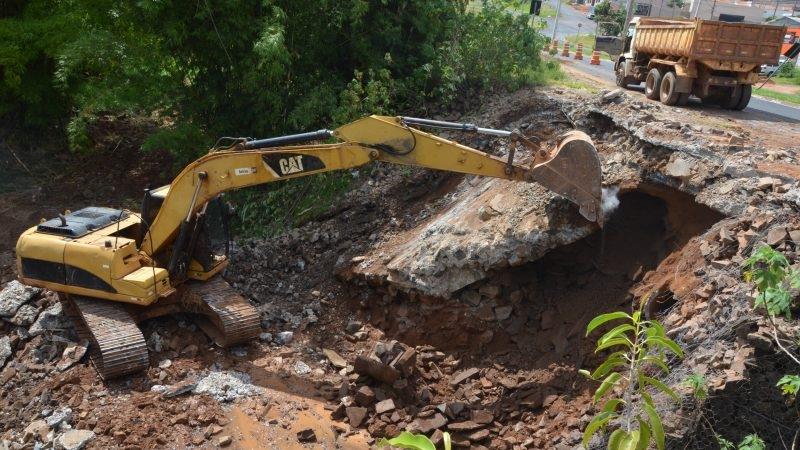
(707, 40)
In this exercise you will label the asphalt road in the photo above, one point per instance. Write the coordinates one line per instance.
(568, 21)
(765, 109)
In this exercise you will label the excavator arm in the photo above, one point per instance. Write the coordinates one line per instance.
(571, 170)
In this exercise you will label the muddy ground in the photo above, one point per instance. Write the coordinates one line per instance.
(481, 289)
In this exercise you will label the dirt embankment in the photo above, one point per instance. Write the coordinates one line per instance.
(374, 323)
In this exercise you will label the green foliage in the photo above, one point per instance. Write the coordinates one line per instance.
(769, 270)
(698, 384)
(610, 21)
(258, 68)
(638, 348)
(415, 441)
(790, 385)
(752, 442)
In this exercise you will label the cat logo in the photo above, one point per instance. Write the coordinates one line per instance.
(285, 164)
(292, 164)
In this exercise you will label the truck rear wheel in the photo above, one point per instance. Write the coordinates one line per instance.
(744, 99)
(668, 92)
(734, 95)
(652, 84)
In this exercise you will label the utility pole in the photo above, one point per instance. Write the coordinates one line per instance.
(555, 23)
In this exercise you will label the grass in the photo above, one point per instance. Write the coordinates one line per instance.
(780, 96)
(551, 74)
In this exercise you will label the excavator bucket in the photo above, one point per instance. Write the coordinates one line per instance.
(573, 171)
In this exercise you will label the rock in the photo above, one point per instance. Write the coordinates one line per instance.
(178, 389)
(224, 441)
(7, 374)
(478, 435)
(227, 386)
(335, 359)
(356, 415)
(301, 368)
(463, 376)
(285, 337)
(71, 355)
(51, 319)
(14, 295)
(434, 422)
(490, 290)
(482, 416)
(307, 435)
(760, 341)
(466, 425)
(679, 168)
(165, 364)
(503, 312)
(26, 315)
(794, 235)
(376, 369)
(765, 183)
(384, 406)
(5, 349)
(470, 297)
(36, 430)
(776, 236)
(74, 439)
(265, 337)
(353, 326)
(721, 263)
(62, 415)
(611, 96)
(365, 396)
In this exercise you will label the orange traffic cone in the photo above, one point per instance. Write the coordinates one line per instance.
(554, 46)
(565, 52)
(595, 58)
(579, 51)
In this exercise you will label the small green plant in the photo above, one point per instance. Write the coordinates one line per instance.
(698, 384)
(638, 347)
(750, 442)
(769, 270)
(415, 441)
(790, 385)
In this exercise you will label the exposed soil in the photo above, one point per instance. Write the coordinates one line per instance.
(493, 362)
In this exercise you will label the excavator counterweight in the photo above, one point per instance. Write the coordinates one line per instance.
(115, 268)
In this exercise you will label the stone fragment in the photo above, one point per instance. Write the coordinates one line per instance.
(463, 376)
(71, 355)
(384, 406)
(265, 337)
(353, 326)
(679, 168)
(490, 290)
(776, 236)
(26, 315)
(482, 416)
(356, 415)
(285, 337)
(466, 425)
(225, 441)
(59, 416)
(794, 235)
(5, 349)
(14, 295)
(478, 435)
(503, 312)
(301, 368)
(51, 319)
(470, 297)
(765, 183)
(434, 422)
(36, 430)
(307, 435)
(376, 369)
(365, 396)
(74, 439)
(335, 359)
(611, 96)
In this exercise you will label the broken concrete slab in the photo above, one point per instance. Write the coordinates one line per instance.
(14, 295)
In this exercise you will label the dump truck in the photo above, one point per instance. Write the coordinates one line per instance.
(717, 62)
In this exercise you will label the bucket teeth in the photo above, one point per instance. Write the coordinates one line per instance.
(573, 171)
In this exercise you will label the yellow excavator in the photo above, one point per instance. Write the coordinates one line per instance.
(115, 268)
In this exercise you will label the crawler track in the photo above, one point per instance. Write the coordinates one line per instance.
(227, 317)
(117, 346)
